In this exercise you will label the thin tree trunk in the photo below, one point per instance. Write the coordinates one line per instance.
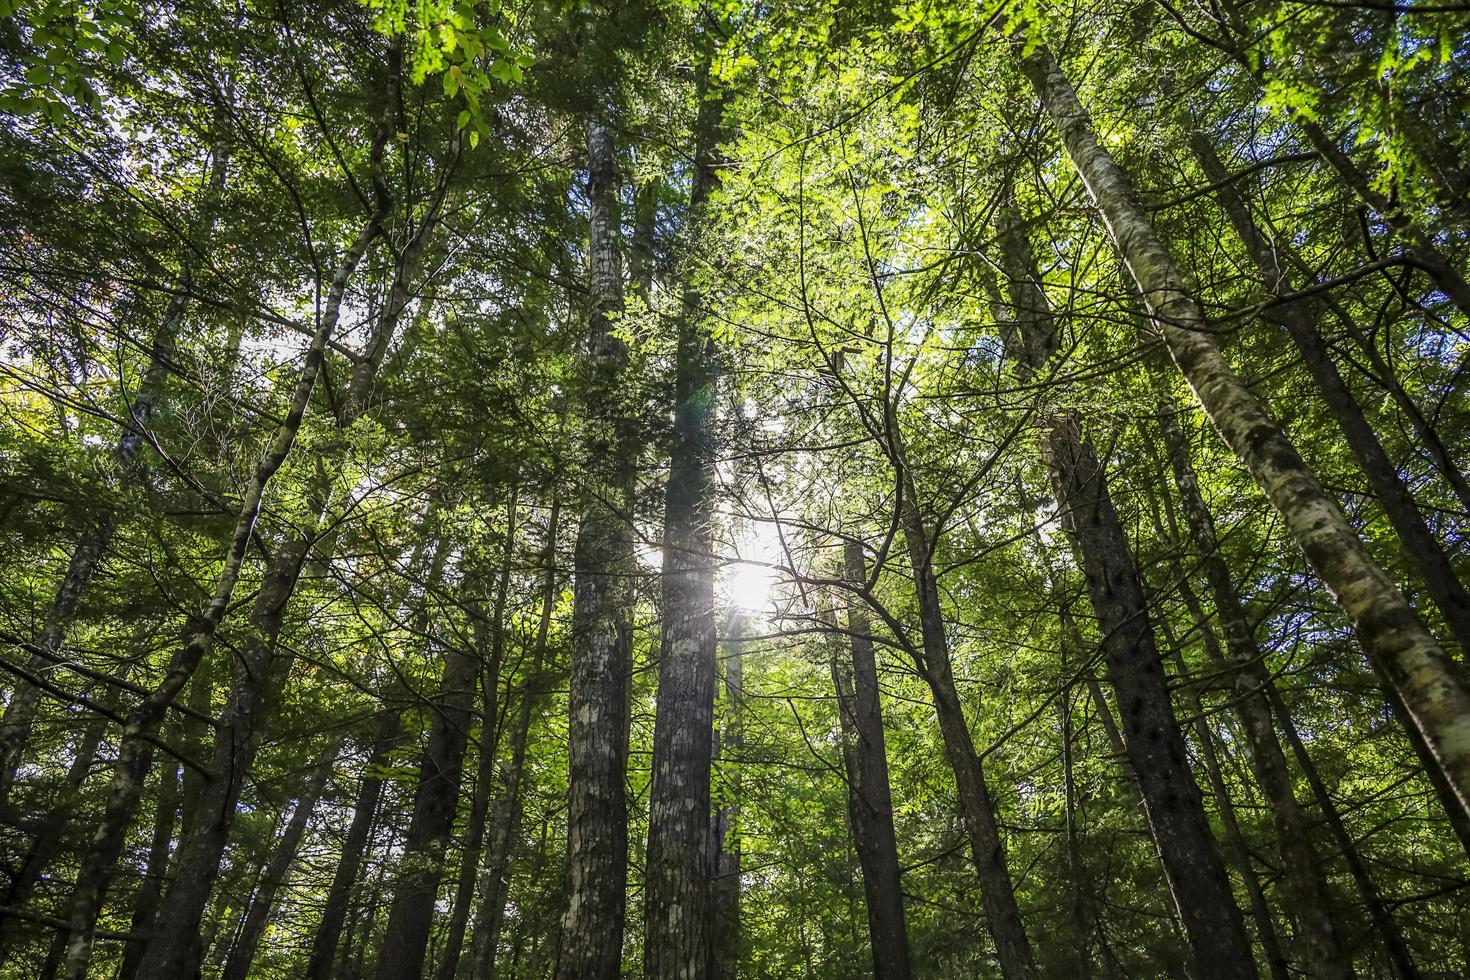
(1002, 915)
(145, 904)
(133, 754)
(1324, 953)
(485, 776)
(506, 815)
(677, 871)
(590, 946)
(436, 796)
(259, 671)
(1435, 697)
(1392, 937)
(1421, 548)
(354, 846)
(869, 800)
(1237, 846)
(725, 938)
(242, 954)
(52, 828)
(1077, 884)
(1155, 745)
(25, 701)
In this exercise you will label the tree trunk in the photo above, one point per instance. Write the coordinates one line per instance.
(134, 755)
(354, 846)
(1154, 743)
(869, 801)
(1236, 845)
(436, 798)
(1324, 953)
(506, 814)
(485, 775)
(677, 875)
(1002, 915)
(145, 905)
(237, 967)
(52, 829)
(1421, 548)
(1394, 946)
(591, 939)
(20, 713)
(725, 936)
(1435, 697)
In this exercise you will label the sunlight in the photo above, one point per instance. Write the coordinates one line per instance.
(748, 581)
(748, 587)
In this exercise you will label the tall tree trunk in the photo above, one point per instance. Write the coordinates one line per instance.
(354, 846)
(51, 830)
(160, 849)
(677, 873)
(1237, 847)
(725, 936)
(1324, 954)
(436, 798)
(1435, 697)
(1421, 548)
(485, 775)
(1077, 884)
(25, 701)
(506, 814)
(134, 753)
(869, 801)
(260, 672)
(1002, 915)
(1154, 743)
(242, 954)
(1397, 950)
(590, 946)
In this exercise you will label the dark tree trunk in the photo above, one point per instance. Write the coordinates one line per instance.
(436, 798)
(354, 846)
(506, 814)
(1324, 953)
(1002, 915)
(869, 802)
(1155, 745)
(1436, 698)
(242, 954)
(1421, 548)
(1394, 946)
(20, 713)
(134, 752)
(145, 905)
(590, 946)
(725, 937)
(485, 770)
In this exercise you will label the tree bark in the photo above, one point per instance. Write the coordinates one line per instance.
(506, 814)
(590, 946)
(1002, 915)
(725, 937)
(869, 800)
(1155, 745)
(485, 775)
(1435, 697)
(1323, 954)
(436, 797)
(678, 944)
(1421, 548)
(237, 967)
(354, 846)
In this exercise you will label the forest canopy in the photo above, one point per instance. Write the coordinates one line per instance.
(691, 490)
